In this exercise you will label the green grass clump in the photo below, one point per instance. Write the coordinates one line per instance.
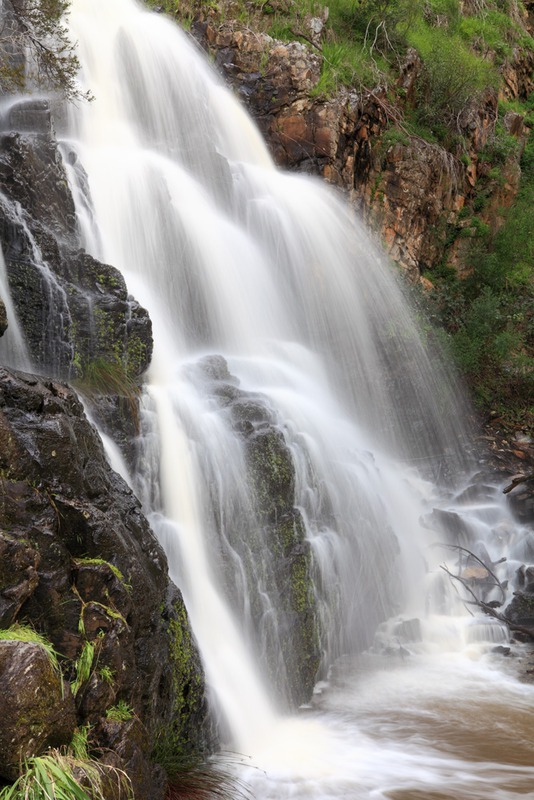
(121, 712)
(25, 633)
(346, 64)
(452, 75)
(61, 775)
(108, 377)
(83, 667)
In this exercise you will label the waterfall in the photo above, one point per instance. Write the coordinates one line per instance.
(268, 299)
(13, 348)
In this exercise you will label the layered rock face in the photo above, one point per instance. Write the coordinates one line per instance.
(410, 190)
(81, 565)
(73, 310)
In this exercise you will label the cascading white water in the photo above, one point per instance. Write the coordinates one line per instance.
(12, 346)
(232, 257)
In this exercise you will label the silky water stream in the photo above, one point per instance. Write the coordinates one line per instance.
(235, 259)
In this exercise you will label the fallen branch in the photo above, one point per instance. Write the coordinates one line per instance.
(487, 608)
(517, 481)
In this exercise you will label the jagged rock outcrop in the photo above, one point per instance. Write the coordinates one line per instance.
(81, 565)
(410, 190)
(74, 311)
(274, 550)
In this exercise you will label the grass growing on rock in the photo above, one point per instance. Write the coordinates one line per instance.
(25, 633)
(67, 774)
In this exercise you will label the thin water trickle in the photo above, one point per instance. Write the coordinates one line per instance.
(233, 258)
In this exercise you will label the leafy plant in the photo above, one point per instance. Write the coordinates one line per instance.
(121, 712)
(61, 775)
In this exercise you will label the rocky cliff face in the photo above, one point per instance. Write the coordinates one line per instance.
(81, 565)
(410, 190)
(73, 310)
(274, 551)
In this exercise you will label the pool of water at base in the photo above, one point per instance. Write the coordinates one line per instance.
(435, 726)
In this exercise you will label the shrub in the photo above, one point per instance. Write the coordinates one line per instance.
(452, 76)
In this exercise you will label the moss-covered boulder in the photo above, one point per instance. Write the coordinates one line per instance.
(274, 549)
(36, 705)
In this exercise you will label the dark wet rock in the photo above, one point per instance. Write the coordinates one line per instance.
(525, 578)
(449, 523)
(126, 746)
(521, 499)
(277, 546)
(476, 493)
(3, 318)
(75, 312)
(36, 705)
(80, 562)
(501, 650)
(18, 574)
(408, 630)
(521, 610)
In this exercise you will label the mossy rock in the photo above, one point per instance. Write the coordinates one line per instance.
(36, 706)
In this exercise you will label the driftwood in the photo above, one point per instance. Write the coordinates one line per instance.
(517, 481)
(488, 608)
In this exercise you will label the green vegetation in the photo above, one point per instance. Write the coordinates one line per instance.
(66, 774)
(121, 712)
(108, 377)
(107, 674)
(25, 633)
(99, 562)
(83, 667)
(489, 315)
(51, 61)
(451, 77)
(195, 777)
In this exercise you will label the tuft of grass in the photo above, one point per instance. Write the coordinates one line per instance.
(83, 666)
(347, 64)
(97, 562)
(103, 376)
(213, 779)
(121, 712)
(62, 775)
(25, 633)
(107, 674)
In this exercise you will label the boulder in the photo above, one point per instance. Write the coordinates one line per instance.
(36, 705)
